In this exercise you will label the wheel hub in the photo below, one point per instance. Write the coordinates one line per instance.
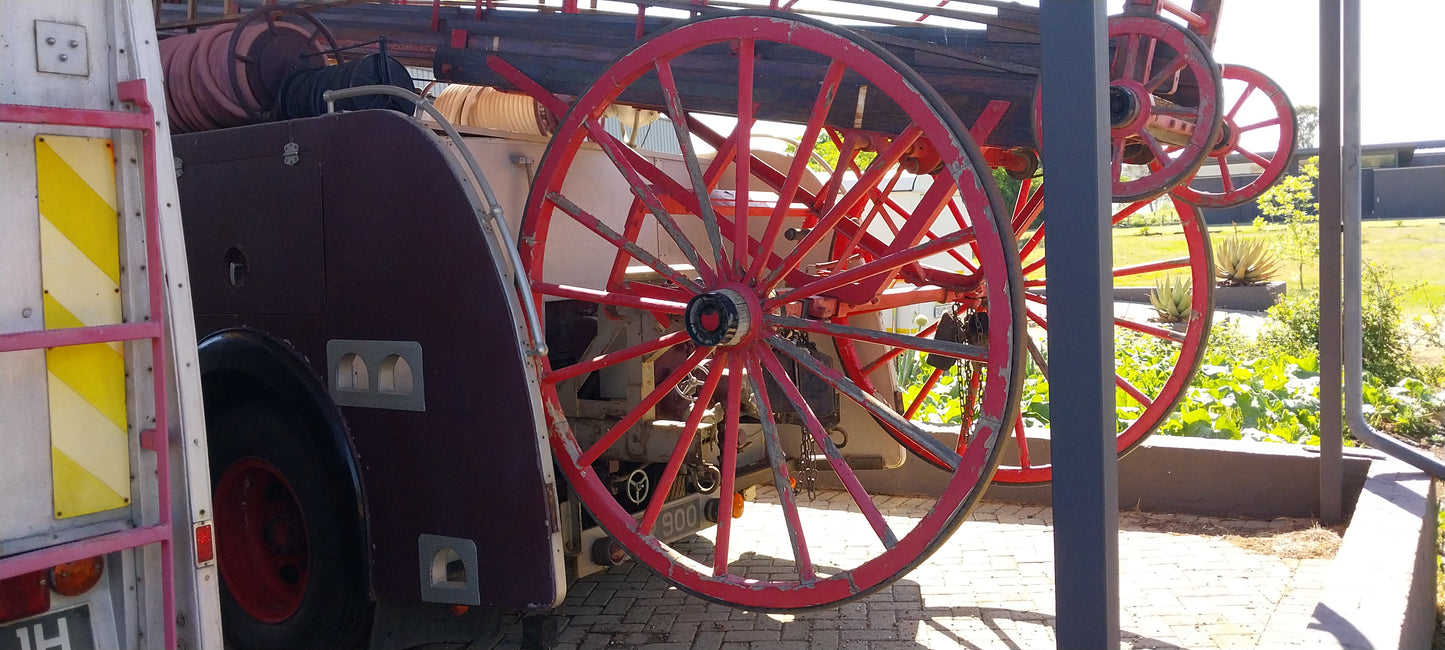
(717, 318)
(1123, 107)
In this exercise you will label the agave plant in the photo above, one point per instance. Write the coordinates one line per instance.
(1172, 297)
(1239, 261)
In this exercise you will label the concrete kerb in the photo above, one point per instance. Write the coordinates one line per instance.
(1381, 589)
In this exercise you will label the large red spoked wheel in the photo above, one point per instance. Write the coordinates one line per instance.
(1259, 126)
(749, 316)
(1164, 101)
(939, 393)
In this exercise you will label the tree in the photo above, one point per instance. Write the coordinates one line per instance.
(1307, 124)
(1292, 200)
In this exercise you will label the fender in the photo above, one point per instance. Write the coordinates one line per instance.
(254, 365)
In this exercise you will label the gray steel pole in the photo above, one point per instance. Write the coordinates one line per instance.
(1073, 38)
(1331, 226)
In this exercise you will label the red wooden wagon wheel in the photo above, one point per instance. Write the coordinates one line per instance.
(743, 305)
(1175, 353)
(1259, 126)
(1164, 101)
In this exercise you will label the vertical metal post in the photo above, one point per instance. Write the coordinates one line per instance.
(1073, 40)
(1331, 226)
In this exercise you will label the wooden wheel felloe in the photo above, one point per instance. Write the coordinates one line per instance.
(656, 280)
(1259, 126)
(1174, 351)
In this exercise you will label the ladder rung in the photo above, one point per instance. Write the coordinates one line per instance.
(39, 339)
(80, 549)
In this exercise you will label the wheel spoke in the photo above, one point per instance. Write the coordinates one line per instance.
(1253, 157)
(1033, 242)
(1151, 267)
(779, 461)
(1273, 121)
(689, 156)
(943, 348)
(679, 450)
(1157, 332)
(789, 191)
(813, 427)
(1154, 146)
(884, 264)
(608, 298)
(839, 210)
(744, 153)
(643, 191)
(887, 415)
(602, 230)
(636, 213)
(1133, 392)
(728, 445)
(1116, 161)
(922, 396)
(643, 407)
(1037, 356)
(583, 367)
(1023, 442)
(1224, 176)
(1239, 102)
(1169, 70)
(893, 353)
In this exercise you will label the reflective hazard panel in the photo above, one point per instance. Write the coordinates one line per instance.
(80, 276)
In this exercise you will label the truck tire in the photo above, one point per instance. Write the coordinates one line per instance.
(289, 549)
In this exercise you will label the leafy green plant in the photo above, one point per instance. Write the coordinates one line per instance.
(1293, 325)
(1172, 298)
(1239, 262)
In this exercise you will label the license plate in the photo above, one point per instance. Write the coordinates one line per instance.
(679, 519)
(68, 629)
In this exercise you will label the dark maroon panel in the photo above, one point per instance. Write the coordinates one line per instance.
(238, 265)
(404, 260)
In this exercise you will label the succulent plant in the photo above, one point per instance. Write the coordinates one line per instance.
(1172, 297)
(1239, 261)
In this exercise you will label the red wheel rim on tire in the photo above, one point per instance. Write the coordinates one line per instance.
(724, 282)
(264, 551)
(1248, 94)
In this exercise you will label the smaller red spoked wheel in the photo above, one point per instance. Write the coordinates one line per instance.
(262, 528)
(1258, 127)
(1164, 101)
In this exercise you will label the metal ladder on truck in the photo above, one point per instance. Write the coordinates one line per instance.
(105, 529)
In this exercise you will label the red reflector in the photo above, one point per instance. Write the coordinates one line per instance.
(205, 546)
(23, 595)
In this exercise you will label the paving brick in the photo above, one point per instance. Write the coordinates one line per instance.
(989, 586)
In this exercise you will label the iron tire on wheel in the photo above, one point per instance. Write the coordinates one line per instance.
(733, 310)
(289, 549)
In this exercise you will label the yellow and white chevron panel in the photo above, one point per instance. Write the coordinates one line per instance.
(80, 275)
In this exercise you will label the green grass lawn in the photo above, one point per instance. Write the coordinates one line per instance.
(1413, 250)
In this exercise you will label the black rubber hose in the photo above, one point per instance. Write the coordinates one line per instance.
(301, 91)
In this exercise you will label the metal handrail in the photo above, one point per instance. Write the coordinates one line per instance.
(492, 212)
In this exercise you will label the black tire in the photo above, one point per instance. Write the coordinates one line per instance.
(334, 610)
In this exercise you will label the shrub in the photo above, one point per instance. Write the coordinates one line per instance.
(1293, 325)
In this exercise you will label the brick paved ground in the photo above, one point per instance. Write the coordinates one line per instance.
(989, 586)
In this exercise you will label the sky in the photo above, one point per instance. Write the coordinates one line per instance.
(1402, 59)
